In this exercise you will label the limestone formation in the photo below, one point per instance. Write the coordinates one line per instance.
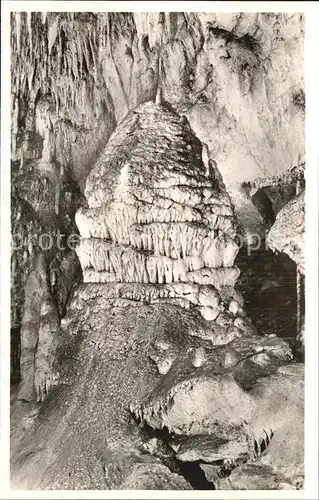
(140, 368)
(198, 408)
(36, 288)
(237, 78)
(45, 352)
(39, 335)
(146, 340)
(287, 234)
(158, 216)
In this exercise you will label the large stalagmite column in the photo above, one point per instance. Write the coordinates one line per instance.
(158, 216)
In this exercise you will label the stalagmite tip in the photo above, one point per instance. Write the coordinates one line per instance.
(159, 96)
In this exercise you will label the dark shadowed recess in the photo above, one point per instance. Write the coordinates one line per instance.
(268, 284)
(195, 475)
(191, 471)
(15, 355)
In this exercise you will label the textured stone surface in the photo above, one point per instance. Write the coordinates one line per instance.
(39, 334)
(154, 477)
(36, 288)
(237, 77)
(287, 234)
(47, 343)
(43, 207)
(25, 230)
(269, 195)
(200, 410)
(155, 363)
(84, 435)
(159, 214)
(281, 465)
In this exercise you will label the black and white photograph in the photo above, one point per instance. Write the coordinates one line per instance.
(158, 323)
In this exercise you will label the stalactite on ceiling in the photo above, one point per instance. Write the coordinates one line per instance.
(60, 61)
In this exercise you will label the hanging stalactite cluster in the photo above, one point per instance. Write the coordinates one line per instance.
(58, 94)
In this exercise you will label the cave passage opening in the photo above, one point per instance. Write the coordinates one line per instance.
(268, 283)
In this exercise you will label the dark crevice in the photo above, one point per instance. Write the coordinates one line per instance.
(268, 280)
(149, 432)
(63, 40)
(15, 355)
(263, 444)
(262, 202)
(84, 65)
(191, 471)
(145, 43)
(246, 41)
(221, 33)
(264, 206)
(298, 99)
